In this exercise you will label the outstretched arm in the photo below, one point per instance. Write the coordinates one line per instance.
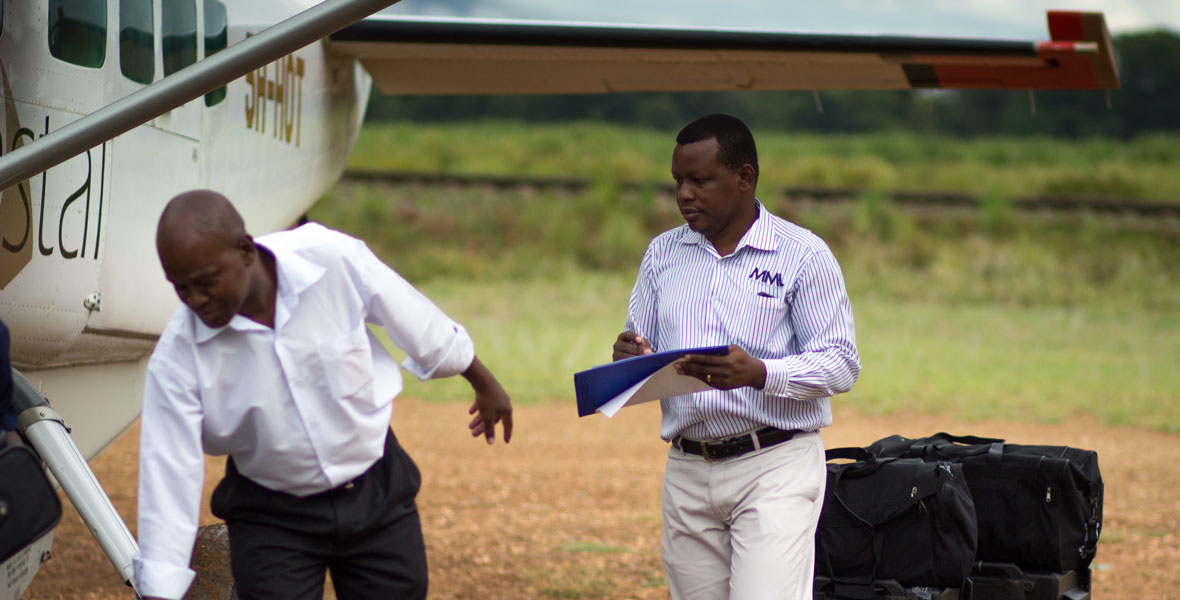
(491, 402)
(435, 345)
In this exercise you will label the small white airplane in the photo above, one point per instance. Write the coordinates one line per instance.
(111, 107)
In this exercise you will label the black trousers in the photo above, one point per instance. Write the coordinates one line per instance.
(365, 533)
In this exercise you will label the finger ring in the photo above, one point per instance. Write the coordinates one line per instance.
(709, 378)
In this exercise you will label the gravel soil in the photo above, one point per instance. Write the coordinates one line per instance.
(570, 509)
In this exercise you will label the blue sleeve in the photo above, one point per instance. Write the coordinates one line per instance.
(7, 409)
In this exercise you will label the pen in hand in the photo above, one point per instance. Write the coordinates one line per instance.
(630, 344)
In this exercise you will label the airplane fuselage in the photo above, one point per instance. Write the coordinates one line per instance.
(81, 289)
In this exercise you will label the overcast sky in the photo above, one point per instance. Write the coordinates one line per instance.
(1005, 19)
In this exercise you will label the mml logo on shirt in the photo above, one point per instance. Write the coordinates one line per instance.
(767, 276)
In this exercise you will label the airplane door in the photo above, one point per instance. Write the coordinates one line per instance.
(218, 133)
(178, 49)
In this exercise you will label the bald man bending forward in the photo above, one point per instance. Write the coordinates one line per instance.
(270, 361)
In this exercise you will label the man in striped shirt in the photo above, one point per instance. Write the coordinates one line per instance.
(745, 475)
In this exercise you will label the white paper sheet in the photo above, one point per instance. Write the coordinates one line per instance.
(664, 383)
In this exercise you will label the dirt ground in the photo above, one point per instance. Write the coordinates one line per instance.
(570, 509)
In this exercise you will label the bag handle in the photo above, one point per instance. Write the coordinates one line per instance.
(918, 493)
(866, 462)
(945, 445)
(852, 453)
(970, 440)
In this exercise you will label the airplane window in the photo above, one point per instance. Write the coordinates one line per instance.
(136, 30)
(78, 31)
(216, 39)
(178, 27)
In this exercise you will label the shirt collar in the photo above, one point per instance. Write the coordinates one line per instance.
(294, 274)
(760, 235)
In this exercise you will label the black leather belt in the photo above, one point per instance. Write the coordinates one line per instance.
(735, 446)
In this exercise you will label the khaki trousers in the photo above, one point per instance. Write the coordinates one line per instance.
(743, 528)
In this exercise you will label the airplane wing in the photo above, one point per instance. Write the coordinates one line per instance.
(408, 55)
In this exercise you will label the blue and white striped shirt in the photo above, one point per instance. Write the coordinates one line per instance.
(780, 296)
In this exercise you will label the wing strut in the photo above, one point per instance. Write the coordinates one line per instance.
(48, 434)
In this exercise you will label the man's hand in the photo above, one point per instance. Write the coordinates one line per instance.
(733, 370)
(491, 402)
(630, 344)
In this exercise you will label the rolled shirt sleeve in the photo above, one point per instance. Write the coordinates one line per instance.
(171, 476)
(435, 345)
(826, 361)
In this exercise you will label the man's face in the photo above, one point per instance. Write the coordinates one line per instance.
(209, 274)
(708, 193)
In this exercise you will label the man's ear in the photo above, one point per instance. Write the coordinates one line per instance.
(247, 248)
(747, 177)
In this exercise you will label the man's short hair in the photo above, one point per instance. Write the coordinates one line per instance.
(203, 212)
(735, 143)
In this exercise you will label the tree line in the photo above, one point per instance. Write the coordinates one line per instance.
(1148, 102)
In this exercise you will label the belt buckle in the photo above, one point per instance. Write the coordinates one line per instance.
(725, 448)
(701, 445)
(705, 452)
(721, 449)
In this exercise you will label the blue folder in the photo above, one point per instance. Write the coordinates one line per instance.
(596, 386)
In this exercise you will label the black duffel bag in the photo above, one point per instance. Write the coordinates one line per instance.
(1037, 506)
(906, 520)
(29, 507)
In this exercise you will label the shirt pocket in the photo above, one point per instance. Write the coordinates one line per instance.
(755, 316)
(348, 367)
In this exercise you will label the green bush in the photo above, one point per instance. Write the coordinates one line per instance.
(1108, 181)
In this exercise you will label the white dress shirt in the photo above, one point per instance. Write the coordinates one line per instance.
(780, 296)
(301, 408)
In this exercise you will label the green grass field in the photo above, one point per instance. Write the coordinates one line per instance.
(977, 314)
(971, 362)
(1141, 168)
